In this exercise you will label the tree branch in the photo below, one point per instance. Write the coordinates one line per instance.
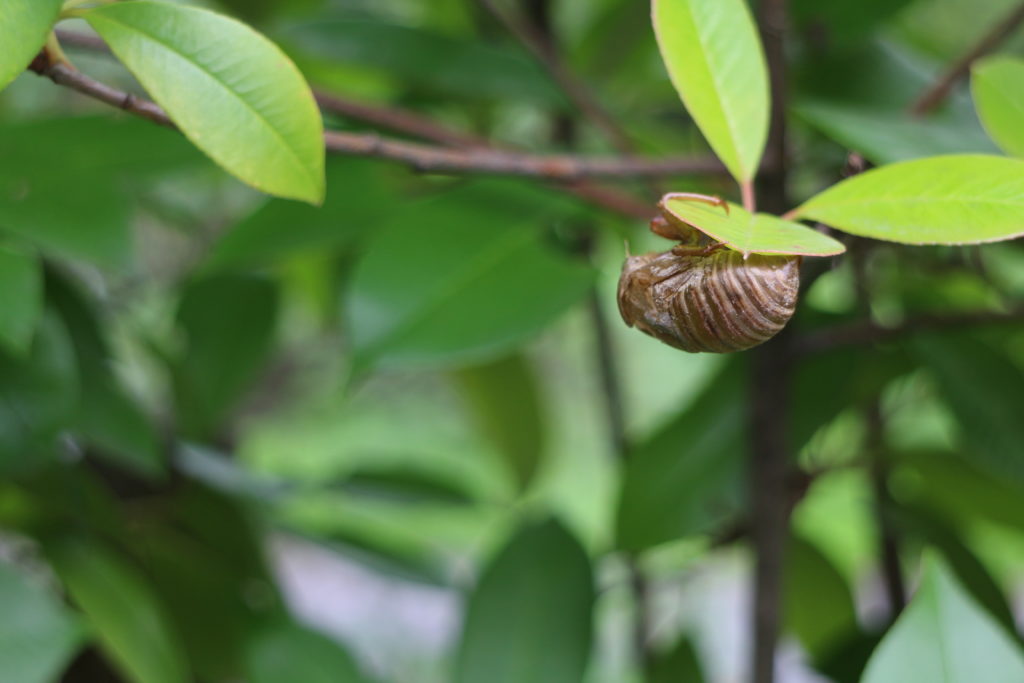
(771, 376)
(420, 157)
(865, 333)
(935, 95)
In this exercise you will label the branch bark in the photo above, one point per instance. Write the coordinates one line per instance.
(1002, 30)
(771, 375)
(425, 158)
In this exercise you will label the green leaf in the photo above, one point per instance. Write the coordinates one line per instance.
(284, 652)
(357, 201)
(984, 388)
(529, 618)
(677, 665)
(232, 92)
(38, 396)
(229, 323)
(998, 88)
(503, 399)
(459, 278)
(38, 635)
(24, 25)
(714, 57)
(944, 637)
(958, 199)
(21, 288)
(819, 607)
(49, 158)
(424, 61)
(131, 627)
(886, 136)
(751, 233)
(688, 476)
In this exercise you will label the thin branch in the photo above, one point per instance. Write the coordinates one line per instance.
(888, 540)
(421, 157)
(999, 32)
(575, 89)
(408, 123)
(867, 333)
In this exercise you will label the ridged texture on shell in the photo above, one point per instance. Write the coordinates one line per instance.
(717, 302)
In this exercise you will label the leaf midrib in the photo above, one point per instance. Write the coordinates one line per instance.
(219, 81)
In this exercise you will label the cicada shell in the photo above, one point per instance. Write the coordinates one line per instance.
(716, 302)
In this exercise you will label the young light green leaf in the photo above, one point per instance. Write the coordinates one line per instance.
(957, 199)
(131, 626)
(21, 288)
(758, 233)
(714, 58)
(944, 637)
(38, 634)
(998, 88)
(24, 25)
(530, 617)
(284, 651)
(230, 90)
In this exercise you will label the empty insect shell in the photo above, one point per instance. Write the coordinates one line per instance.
(717, 302)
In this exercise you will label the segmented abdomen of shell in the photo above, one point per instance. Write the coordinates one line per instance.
(718, 302)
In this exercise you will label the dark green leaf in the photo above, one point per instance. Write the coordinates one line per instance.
(24, 25)
(459, 278)
(529, 618)
(681, 664)
(38, 395)
(425, 60)
(231, 91)
(129, 623)
(944, 637)
(688, 476)
(288, 653)
(108, 420)
(844, 22)
(504, 400)
(985, 390)
(819, 607)
(21, 287)
(229, 323)
(356, 203)
(38, 635)
(47, 159)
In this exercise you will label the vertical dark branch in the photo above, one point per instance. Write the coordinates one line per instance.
(888, 541)
(770, 382)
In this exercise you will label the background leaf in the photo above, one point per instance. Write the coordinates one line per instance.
(130, 625)
(503, 398)
(21, 286)
(229, 323)
(998, 87)
(24, 25)
(752, 233)
(470, 255)
(958, 199)
(529, 618)
(944, 637)
(231, 91)
(713, 55)
(38, 635)
(284, 652)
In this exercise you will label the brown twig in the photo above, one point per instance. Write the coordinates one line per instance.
(999, 32)
(408, 123)
(867, 333)
(421, 157)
